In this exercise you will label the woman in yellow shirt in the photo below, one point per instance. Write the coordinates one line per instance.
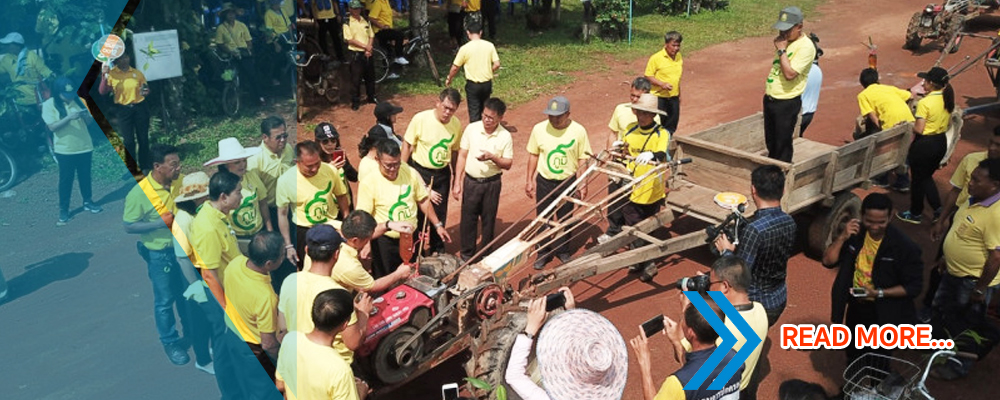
(129, 89)
(64, 115)
(933, 118)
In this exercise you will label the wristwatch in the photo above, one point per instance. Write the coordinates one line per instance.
(781, 51)
(439, 224)
(978, 292)
(530, 336)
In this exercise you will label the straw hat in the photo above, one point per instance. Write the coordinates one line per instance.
(193, 187)
(582, 356)
(647, 102)
(230, 149)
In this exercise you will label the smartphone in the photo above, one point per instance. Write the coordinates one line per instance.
(555, 300)
(859, 292)
(449, 391)
(653, 326)
(337, 155)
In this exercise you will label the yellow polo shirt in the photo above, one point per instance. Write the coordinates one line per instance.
(473, 5)
(931, 109)
(666, 69)
(801, 54)
(432, 141)
(559, 151)
(26, 83)
(396, 200)
(146, 202)
(297, 294)
(381, 12)
(72, 138)
(477, 57)
(269, 166)
(233, 37)
(323, 9)
(756, 317)
(638, 140)
(314, 198)
(248, 219)
(975, 232)
(963, 174)
(276, 22)
(349, 272)
(250, 295)
(357, 29)
(622, 117)
(313, 371)
(475, 140)
(213, 240)
(888, 103)
(126, 85)
(366, 166)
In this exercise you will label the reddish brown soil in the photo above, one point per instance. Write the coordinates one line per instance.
(723, 83)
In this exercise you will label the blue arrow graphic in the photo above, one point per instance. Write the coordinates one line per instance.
(752, 341)
(728, 340)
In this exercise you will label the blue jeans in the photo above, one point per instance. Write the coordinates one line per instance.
(954, 291)
(168, 289)
(237, 371)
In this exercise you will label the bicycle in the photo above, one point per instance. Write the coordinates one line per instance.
(412, 48)
(231, 83)
(880, 377)
(326, 82)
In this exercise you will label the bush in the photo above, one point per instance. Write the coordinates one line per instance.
(680, 7)
(612, 18)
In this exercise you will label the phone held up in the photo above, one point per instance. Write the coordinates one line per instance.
(653, 326)
(337, 155)
(554, 301)
(449, 391)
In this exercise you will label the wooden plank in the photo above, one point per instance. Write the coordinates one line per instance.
(761, 160)
(805, 149)
(746, 133)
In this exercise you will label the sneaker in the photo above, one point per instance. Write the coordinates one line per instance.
(925, 315)
(401, 61)
(176, 354)
(907, 216)
(635, 268)
(604, 238)
(208, 368)
(63, 218)
(901, 188)
(93, 208)
(541, 262)
(393, 75)
(564, 257)
(648, 272)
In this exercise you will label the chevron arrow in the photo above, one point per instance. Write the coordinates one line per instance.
(728, 340)
(752, 341)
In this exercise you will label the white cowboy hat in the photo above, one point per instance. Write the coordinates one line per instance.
(582, 356)
(230, 149)
(194, 186)
(647, 102)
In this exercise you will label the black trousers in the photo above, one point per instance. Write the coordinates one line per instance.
(635, 213)
(287, 268)
(543, 187)
(392, 40)
(861, 312)
(442, 185)
(455, 29)
(300, 245)
(480, 202)
(362, 69)
(490, 9)
(806, 120)
(71, 165)
(779, 126)
(264, 359)
(615, 217)
(198, 332)
(588, 12)
(385, 256)
(133, 122)
(671, 106)
(476, 93)
(330, 26)
(924, 158)
(249, 77)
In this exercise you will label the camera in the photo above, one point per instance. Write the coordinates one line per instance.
(697, 283)
(730, 227)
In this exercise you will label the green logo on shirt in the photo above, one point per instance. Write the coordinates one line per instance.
(404, 213)
(245, 216)
(556, 160)
(439, 152)
(317, 208)
(776, 70)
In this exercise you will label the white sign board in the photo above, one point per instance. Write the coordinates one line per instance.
(158, 54)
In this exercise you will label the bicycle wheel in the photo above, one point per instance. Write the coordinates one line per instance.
(381, 64)
(434, 68)
(231, 98)
(8, 170)
(332, 86)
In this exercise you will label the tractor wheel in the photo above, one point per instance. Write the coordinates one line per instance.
(491, 351)
(390, 363)
(830, 224)
(912, 41)
(955, 26)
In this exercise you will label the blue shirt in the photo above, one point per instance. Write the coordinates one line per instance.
(765, 246)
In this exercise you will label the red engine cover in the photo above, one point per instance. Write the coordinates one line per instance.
(391, 311)
(938, 8)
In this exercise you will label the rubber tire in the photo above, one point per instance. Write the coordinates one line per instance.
(491, 351)
(956, 25)
(380, 63)
(7, 182)
(230, 100)
(912, 41)
(332, 93)
(828, 225)
(383, 359)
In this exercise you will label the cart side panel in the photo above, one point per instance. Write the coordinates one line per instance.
(889, 152)
(808, 182)
(745, 134)
(718, 167)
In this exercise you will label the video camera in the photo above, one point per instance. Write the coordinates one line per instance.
(697, 283)
(731, 227)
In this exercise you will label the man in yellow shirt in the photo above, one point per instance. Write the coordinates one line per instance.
(251, 216)
(664, 71)
(212, 238)
(430, 143)
(358, 229)
(328, 22)
(252, 303)
(277, 25)
(359, 35)
(563, 147)
(24, 67)
(275, 157)
(480, 60)
(380, 17)
(234, 38)
(786, 82)
(959, 193)
(621, 118)
(882, 107)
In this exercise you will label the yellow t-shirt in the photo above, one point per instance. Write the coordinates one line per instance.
(315, 198)
(381, 12)
(357, 29)
(432, 141)
(801, 54)
(312, 371)
(146, 202)
(975, 232)
(475, 140)
(269, 166)
(477, 57)
(181, 230)
(72, 138)
(213, 240)
(888, 103)
(323, 9)
(26, 84)
(295, 301)
(250, 295)
(963, 174)
(276, 22)
(866, 259)
(756, 317)
(233, 37)
(366, 166)
(671, 389)
(931, 109)
(662, 67)
(559, 151)
(247, 219)
(126, 85)
(349, 273)
(621, 118)
(396, 200)
(473, 5)
(638, 140)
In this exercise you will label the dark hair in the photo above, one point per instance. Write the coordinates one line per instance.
(732, 269)
(868, 77)
(322, 253)
(797, 389)
(222, 168)
(642, 84)
(222, 182)
(697, 322)
(265, 246)
(992, 166)
(451, 94)
(496, 105)
(60, 103)
(876, 201)
(159, 152)
(474, 27)
(358, 224)
(367, 143)
(308, 147)
(673, 36)
(387, 147)
(769, 181)
(188, 206)
(949, 97)
(331, 309)
(269, 123)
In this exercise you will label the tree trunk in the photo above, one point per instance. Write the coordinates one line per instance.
(418, 17)
(558, 10)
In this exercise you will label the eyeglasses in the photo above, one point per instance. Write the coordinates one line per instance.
(390, 167)
(283, 136)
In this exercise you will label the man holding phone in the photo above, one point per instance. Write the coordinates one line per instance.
(794, 54)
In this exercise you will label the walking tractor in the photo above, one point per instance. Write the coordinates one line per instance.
(449, 308)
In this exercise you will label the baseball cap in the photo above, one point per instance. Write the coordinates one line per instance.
(63, 85)
(386, 109)
(326, 131)
(787, 18)
(557, 106)
(355, 4)
(936, 75)
(323, 236)
(12, 37)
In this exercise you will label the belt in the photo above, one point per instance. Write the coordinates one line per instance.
(436, 171)
(484, 180)
(130, 105)
(769, 98)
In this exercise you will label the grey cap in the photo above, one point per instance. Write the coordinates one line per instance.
(557, 106)
(787, 18)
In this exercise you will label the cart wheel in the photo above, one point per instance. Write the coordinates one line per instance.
(491, 351)
(830, 224)
(392, 365)
(912, 41)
